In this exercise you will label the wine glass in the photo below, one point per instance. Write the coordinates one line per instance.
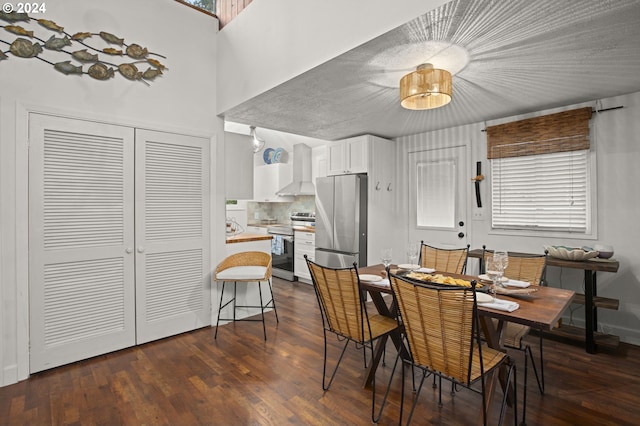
(412, 252)
(502, 257)
(386, 255)
(495, 271)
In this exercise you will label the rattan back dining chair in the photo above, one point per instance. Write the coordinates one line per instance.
(247, 266)
(530, 268)
(344, 314)
(441, 326)
(444, 260)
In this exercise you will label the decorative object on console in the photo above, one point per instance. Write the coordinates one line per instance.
(571, 253)
(605, 251)
(100, 70)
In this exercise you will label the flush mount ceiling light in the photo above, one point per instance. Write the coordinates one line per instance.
(425, 88)
(256, 142)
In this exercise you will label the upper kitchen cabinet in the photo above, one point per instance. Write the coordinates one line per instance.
(349, 156)
(269, 179)
(238, 169)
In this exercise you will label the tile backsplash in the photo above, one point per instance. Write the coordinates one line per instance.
(279, 212)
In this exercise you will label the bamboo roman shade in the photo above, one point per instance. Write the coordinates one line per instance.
(561, 132)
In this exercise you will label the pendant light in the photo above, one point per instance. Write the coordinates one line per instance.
(256, 142)
(425, 88)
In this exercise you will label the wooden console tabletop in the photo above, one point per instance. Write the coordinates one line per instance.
(590, 268)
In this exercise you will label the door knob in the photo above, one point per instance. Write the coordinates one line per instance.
(129, 250)
(460, 234)
(461, 223)
(140, 249)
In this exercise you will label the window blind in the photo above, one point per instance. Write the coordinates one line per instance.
(560, 132)
(542, 192)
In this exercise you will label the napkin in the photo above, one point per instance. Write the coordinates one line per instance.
(382, 283)
(501, 305)
(425, 270)
(516, 283)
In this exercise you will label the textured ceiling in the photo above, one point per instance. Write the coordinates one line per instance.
(523, 56)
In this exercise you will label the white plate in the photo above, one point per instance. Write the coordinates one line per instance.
(408, 266)
(483, 297)
(486, 277)
(370, 278)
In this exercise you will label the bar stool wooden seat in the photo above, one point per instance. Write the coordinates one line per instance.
(248, 266)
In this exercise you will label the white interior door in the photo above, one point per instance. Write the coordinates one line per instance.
(172, 234)
(81, 240)
(438, 185)
(109, 269)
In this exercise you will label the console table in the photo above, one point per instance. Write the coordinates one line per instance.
(590, 298)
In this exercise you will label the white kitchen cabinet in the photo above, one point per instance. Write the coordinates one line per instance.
(349, 156)
(238, 169)
(305, 243)
(269, 179)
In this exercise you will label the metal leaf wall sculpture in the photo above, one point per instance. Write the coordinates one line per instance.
(130, 58)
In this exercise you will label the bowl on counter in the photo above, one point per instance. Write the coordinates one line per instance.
(571, 253)
(604, 251)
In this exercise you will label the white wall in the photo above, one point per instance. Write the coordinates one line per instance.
(616, 136)
(271, 42)
(183, 101)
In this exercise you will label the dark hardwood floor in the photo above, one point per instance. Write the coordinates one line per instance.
(239, 379)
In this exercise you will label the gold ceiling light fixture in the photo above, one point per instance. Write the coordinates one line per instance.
(425, 88)
(256, 143)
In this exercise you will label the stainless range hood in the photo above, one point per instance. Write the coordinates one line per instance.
(302, 184)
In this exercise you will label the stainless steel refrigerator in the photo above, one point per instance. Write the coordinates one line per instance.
(341, 220)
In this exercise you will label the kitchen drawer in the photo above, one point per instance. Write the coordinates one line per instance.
(305, 243)
(305, 236)
(300, 268)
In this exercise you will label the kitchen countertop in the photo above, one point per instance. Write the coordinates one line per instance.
(305, 228)
(246, 237)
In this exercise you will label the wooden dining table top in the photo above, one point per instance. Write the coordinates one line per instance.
(540, 309)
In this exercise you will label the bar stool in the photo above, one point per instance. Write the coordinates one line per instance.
(248, 266)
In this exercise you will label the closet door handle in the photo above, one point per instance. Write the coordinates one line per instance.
(129, 250)
(140, 249)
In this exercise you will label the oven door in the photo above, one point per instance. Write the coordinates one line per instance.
(282, 256)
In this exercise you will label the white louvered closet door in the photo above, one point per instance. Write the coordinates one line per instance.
(172, 234)
(81, 240)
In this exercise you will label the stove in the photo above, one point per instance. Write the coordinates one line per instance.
(282, 244)
(303, 218)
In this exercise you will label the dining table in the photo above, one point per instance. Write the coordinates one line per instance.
(540, 309)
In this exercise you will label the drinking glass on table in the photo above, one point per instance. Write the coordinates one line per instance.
(386, 255)
(503, 257)
(495, 270)
(412, 252)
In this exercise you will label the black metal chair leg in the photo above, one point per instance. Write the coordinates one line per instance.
(215, 336)
(235, 286)
(273, 301)
(264, 328)
(326, 386)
